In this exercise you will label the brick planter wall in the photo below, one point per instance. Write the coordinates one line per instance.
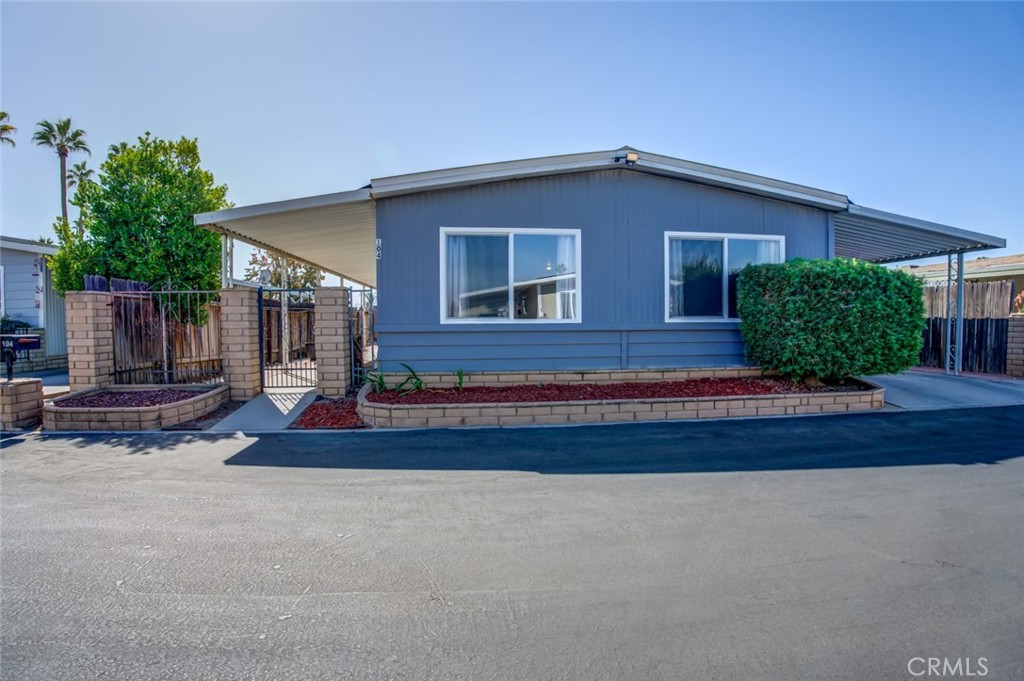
(21, 403)
(56, 417)
(38, 360)
(493, 378)
(1015, 346)
(612, 411)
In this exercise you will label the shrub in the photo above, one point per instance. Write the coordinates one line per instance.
(830, 318)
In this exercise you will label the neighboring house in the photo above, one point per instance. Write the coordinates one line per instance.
(27, 295)
(603, 260)
(1002, 268)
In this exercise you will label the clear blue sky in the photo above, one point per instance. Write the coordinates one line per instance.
(912, 108)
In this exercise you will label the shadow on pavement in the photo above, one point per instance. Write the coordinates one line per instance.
(131, 443)
(967, 436)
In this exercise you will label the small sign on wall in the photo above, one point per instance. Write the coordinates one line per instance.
(378, 249)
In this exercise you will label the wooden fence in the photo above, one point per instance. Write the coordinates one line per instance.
(166, 337)
(301, 331)
(986, 325)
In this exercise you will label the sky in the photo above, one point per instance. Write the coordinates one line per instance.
(912, 108)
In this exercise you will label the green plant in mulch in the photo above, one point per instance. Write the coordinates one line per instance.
(412, 383)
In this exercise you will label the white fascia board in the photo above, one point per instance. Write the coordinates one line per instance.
(984, 241)
(261, 209)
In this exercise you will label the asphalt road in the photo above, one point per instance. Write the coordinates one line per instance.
(816, 548)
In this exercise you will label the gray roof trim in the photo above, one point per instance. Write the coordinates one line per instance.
(876, 236)
(14, 243)
(272, 208)
(604, 160)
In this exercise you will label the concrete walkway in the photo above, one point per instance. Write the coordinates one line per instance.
(925, 390)
(273, 410)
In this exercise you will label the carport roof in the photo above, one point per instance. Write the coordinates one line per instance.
(337, 232)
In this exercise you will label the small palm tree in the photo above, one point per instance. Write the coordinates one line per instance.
(6, 130)
(79, 175)
(64, 139)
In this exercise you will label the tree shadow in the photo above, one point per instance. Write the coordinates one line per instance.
(962, 437)
(138, 444)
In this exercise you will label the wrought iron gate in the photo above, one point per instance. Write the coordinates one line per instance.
(287, 338)
(362, 334)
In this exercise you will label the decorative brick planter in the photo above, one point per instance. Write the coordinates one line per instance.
(208, 398)
(21, 402)
(612, 411)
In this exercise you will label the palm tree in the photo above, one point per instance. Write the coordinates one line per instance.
(79, 175)
(64, 139)
(6, 130)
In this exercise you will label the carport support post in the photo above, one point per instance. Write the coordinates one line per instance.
(959, 311)
(240, 341)
(333, 354)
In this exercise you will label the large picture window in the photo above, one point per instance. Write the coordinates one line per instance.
(701, 271)
(511, 275)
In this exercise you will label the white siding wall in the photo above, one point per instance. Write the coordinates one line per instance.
(20, 281)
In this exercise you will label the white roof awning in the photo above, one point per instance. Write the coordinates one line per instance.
(334, 232)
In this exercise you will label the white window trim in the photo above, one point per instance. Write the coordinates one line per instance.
(495, 231)
(724, 238)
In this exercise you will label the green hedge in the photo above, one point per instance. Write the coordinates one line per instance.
(830, 318)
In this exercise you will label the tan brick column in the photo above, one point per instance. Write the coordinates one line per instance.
(1015, 346)
(240, 342)
(333, 352)
(21, 403)
(90, 326)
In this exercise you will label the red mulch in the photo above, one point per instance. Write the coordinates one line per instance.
(564, 392)
(131, 398)
(324, 412)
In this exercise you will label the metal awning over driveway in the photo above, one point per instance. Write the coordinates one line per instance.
(877, 236)
(334, 232)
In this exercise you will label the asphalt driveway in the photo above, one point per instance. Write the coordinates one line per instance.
(818, 548)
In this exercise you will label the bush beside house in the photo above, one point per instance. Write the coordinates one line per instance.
(830, 319)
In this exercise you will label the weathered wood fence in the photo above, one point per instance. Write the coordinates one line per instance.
(166, 337)
(986, 323)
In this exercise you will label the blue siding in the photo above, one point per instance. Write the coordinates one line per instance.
(622, 216)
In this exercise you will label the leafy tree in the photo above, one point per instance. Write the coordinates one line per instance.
(6, 130)
(46, 240)
(138, 218)
(76, 257)
(299, 275)
(64, 139)
(829, 319)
